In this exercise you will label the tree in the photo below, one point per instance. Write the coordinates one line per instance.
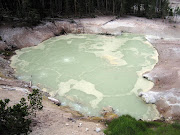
(34, 10)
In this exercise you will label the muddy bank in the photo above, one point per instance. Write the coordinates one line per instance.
(164, 36)
(166, 76)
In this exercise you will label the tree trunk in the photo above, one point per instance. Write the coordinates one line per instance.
(75, 7)
(113, 7)
(106, 6)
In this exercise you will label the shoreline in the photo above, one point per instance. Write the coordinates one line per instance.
(164, 37)
(139, 81)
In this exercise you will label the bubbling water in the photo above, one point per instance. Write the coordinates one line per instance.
(88, 72)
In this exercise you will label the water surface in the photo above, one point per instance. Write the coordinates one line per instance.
(88, 72)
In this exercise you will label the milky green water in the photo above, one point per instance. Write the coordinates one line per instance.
(89, 72)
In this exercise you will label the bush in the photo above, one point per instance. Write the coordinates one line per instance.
(168, 129)
(13, 119)
(126, 125)
(177, 11)
(17, 119)
(6, 52)
(35, 99)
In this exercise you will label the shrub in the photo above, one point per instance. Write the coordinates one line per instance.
(126, 125)
(168, 129)
(13, 119)
(35, 99)
(6, 52)
(17, 119)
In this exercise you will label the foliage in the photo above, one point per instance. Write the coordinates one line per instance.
(6, 52)
(13, 119)
(17, 119)
(34, 10)
(33, 17)
(127, 125)
(177, 11)
(35, 100)
(168, 129)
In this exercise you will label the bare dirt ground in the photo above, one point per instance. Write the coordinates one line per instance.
(164, 36)
(53, 120)
(63, 123)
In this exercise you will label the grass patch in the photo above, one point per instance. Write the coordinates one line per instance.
(127, 125)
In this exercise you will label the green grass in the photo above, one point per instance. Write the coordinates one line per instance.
(127, 125)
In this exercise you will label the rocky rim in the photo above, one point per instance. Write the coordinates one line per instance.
(164, 36)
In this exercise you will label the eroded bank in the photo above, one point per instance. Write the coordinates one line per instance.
(163, 35)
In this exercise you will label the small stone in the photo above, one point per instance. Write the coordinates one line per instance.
(55, 101)
(87, 129)
(67, 124)
(80, 124)
(26, 86)
(98, 129)
(108, 113)
(71, 119)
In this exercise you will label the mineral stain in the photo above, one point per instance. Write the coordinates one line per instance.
(88, 72)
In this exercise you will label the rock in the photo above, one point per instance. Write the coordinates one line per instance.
(67, 124)
(108, 113)
(98, 129)
(55, 101)
(87, 129)
(80, 124)
(152, 77)
(149, 97)
(117, 33)
(148, 77)
(71, 119)
(26, 86)
(108, 109)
